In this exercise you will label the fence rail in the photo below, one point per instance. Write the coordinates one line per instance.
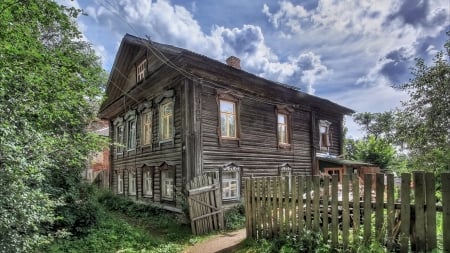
(401, 217)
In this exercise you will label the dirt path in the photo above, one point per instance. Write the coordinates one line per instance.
(223, 243)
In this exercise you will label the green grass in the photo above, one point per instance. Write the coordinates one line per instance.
(129, 227)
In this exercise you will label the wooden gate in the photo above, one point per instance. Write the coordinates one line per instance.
(205, 205)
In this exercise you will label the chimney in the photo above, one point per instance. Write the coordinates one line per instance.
(234, 62)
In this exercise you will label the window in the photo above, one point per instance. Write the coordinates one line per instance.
(131, 144)
(167, 183)
(227, 119)
(119, 183)
(131, 183)
(148, 183)
(283, 129)
(118, 135)
(334, 171)
(166, 121)
(324, 135)
(140, 71)
(230, 182)
(147, 128)
(286, 175)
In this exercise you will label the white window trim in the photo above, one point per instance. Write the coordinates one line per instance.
(233, 169)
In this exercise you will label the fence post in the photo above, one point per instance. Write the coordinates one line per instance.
(345, 211)
(334, 211)
(419, 214)
(356, 208)
(445, 178)
(390, 211)
(430, 201)
(326, 214)
(405, 212)
(379, 208)
(316, 200)
(367, 208)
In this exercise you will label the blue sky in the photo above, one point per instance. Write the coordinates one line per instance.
(348, 51)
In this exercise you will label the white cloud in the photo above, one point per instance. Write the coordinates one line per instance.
(288, 15)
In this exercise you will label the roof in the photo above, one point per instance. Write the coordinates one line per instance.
(345, 162)
(194, 65)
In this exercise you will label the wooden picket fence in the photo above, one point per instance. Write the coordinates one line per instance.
(402, 218)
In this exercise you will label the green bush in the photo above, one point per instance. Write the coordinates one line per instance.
(234, 218)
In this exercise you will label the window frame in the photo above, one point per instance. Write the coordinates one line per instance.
(286, 111)
(131, 134)
(231, 168)
(231, 97)
(170, 123)
(119, 182)
(167, 169)
(147, 113)
(141, 70)
(132, 182)
(118, 136)
(145, 191)
(327, 125)
(283, 170)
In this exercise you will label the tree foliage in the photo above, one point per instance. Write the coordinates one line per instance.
(422, 125)
(424, 121)
(49, 80)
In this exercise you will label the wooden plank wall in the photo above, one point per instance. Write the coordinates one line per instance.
(257, 152)
(341, 216)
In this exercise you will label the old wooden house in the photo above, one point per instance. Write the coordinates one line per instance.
(175, 114)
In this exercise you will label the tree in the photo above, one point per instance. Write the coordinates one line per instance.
(378, 125)
(423, 123)
(49, 80)
(377, 151)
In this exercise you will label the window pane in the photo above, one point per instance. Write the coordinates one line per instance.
(281, 119)
(226, 106)
(232, 126)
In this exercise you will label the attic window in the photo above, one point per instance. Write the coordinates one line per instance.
(141, 71)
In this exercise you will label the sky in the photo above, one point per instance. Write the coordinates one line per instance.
(348, 51)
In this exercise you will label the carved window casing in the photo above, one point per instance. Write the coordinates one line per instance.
(166, 120)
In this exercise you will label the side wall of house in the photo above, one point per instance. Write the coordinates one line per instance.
(257, 152)
(162, 86)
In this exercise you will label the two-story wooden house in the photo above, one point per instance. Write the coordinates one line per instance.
(175, 114)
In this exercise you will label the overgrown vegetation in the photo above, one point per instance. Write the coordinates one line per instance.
(127, 226)
(50, 84)
(234, 218)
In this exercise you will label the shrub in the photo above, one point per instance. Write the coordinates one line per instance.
(234, 218)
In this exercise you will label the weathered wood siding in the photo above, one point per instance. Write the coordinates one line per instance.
(257, 153)
(157, 153)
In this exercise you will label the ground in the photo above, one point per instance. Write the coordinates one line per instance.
(223, 243)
